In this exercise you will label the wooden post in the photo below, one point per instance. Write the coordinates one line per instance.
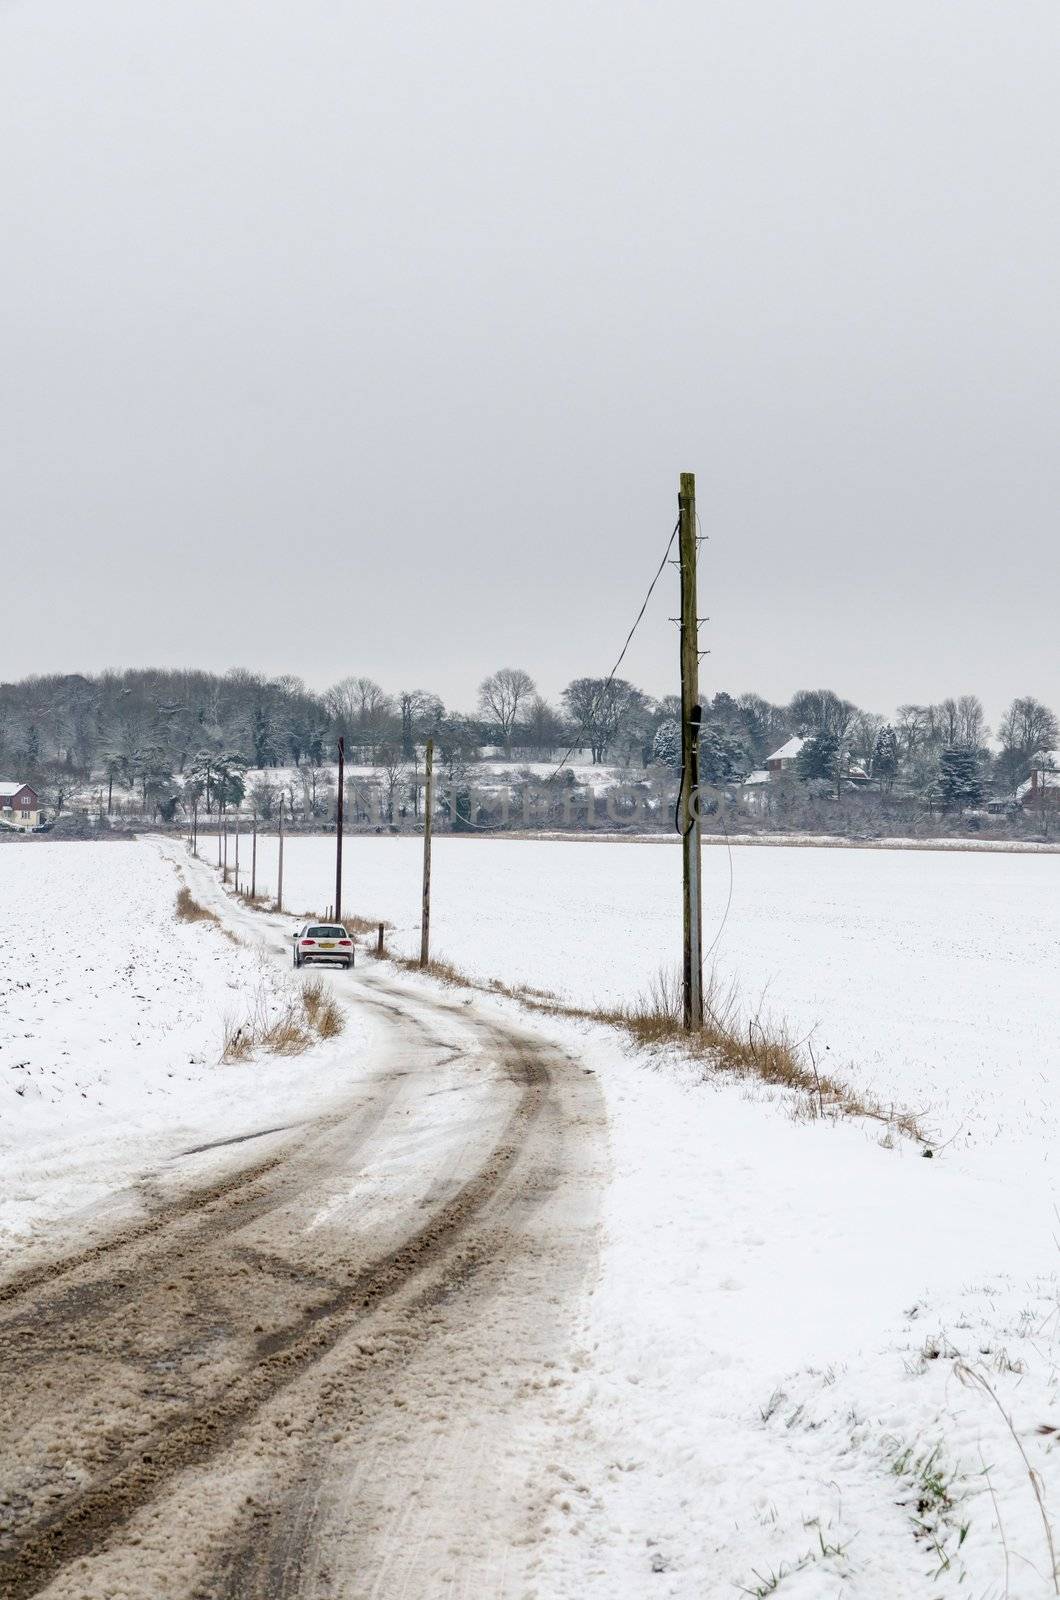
(279, 867)
(237, 853)
(688, 799)
(224, 867)
(195, 827)
(379, 943)
(338, 831)
(428, 814)
(254, 858)
(219, 820)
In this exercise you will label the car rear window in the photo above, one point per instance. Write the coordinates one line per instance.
(326, 933)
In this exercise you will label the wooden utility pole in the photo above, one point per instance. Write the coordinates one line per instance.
(254, 857)
(279, 869)
(428, 817)
(338, 831)
(195, 827)
(237, 853)
(688, 799)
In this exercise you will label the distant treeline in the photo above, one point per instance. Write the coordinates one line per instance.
(169, 734)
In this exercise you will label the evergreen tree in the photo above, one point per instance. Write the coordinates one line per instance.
(819, 757)
(958, 783)
(885, 757)
(666, 746)
(723, 757)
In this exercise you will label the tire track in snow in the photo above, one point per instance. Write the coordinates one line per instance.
(134, 1472)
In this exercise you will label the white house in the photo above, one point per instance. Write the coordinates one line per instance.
(19, 806)
(784, 759)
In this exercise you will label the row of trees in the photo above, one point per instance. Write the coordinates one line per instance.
(161, 734)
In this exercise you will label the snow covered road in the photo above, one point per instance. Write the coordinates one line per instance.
(252, 1392)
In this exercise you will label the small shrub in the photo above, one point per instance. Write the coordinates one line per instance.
(313, 995)
(188, 909)
(287, 1035)
(322, 1012)
(369, 926)
(282, 1035)
(238, 1041)
(330, 1020)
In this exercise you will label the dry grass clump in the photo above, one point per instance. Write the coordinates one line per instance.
(351, 922)
(238, 1043)
(313, 997)
(444, 971)
(755, 1048)
(310, 1015)
(285, 1034)
(258, 901)
(188, 909)
(324, 1015)
(331, 1019)
(366, 925)
(288, 1035)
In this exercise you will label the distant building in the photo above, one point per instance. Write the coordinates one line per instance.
(1042, 788)
(19, 806)
(784, 762)
(754, 791)
(784, 759)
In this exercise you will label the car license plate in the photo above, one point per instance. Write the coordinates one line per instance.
(326, 946)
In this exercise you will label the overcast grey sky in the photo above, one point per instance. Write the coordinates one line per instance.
(372, 338)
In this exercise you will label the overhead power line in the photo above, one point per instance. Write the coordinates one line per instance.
(609, 680)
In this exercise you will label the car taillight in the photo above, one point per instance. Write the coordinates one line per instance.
(345, 941)
(309, 941)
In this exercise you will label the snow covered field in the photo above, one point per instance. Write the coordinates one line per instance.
(780, 1385)
(931, 978)
(776, 1383)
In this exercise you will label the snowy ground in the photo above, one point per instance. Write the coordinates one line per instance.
(765, 1392)
(112, 1025)
(930, 978)
(769, 1392)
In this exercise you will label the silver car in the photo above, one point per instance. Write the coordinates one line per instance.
(323, 941)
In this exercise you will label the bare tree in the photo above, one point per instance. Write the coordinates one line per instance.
(395, 773)
(912, 730)
(421, 712)
(972, 731)
(599, 709)
(500, 696)
(864, 731)
(1027, 729)
(822, 711)
(544, 727)
(363, 712)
